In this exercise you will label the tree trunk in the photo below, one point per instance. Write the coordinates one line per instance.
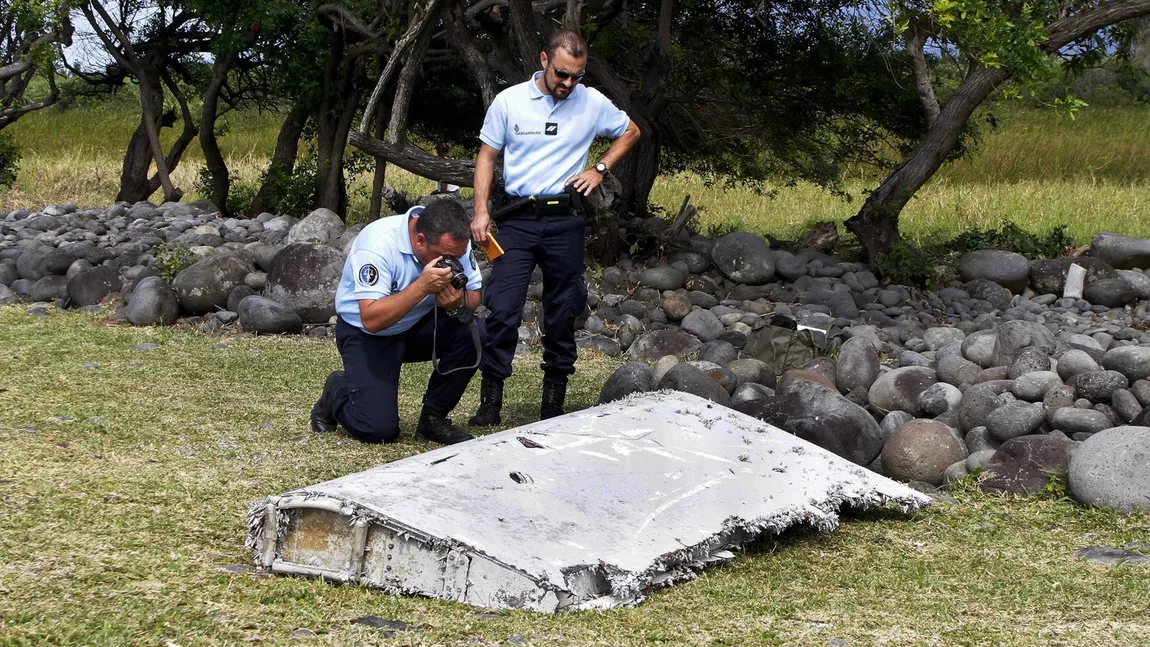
(638, 171)
(152, 103)
(333, 120)
(282, 164)
(876, 223)
(138, 158)
(213, 157)
(176, 153)
(379, 180)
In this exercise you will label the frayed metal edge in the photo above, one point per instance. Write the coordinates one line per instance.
(683, 565)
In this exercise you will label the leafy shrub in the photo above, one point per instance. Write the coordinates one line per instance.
(291, 193)
(906, 265)
(171, 259)
(9, 161)
(1009, 236)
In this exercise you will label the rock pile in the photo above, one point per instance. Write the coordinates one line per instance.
(1022, 369)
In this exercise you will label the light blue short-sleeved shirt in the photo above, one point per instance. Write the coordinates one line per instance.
(382, 263)
(545, 142)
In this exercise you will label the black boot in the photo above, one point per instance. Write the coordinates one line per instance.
(553, 395)
(438, 429)
(490, 402)
(322, 418)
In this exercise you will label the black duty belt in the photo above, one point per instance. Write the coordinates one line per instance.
(557, 204)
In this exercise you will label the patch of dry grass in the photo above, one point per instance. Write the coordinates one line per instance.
(126, 475)
(1037, 169)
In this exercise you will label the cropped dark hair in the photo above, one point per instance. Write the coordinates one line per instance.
(569, 40)
(443, 216)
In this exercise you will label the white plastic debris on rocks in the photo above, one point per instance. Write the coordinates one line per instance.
(593, 509)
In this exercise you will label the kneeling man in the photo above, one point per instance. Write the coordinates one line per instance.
(397, 304)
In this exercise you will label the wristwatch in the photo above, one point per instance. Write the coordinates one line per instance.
(602, 168)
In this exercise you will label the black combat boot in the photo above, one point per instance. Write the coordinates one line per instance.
(553, 395)
(439, 429)
(490, 402)
(322, 418)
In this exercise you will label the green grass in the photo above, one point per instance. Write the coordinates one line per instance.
(1036, 169)
(125, 476)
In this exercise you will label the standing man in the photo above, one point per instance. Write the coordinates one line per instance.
(544, 127)
(397, 303)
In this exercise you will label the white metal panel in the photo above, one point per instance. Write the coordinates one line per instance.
(594, 507)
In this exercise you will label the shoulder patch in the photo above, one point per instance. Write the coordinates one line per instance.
(368, 275)
(471, 255)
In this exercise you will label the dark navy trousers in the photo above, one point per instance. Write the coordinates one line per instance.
(367, 402)
(555, 244)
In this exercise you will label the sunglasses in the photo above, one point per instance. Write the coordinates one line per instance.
(564, 74)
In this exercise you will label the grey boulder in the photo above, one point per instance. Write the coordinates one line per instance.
(689, 379)
(1099, 386)
(262, 315)
(822, 416)
(320, 226)
(1131, 361)
(304, 277)
(205, 286)
(1112, 293)
(629, 378)
(858, 365)
(1018, 335)
(153, 302)
(1008, 269)
(89, 287)
(921, 450)
(1121, 252)
(1108, 470)
(744, 258)
(898, 390)
(702, 324)
(1026, 465)
(1015, 419)
(651, 346)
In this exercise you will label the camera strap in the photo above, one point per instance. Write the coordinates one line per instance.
(435, 342)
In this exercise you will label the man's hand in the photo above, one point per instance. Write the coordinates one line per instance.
(586, 181)
(449, 298)
(480, 226)
(434, 279)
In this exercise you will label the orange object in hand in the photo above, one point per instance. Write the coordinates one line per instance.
(492, 248)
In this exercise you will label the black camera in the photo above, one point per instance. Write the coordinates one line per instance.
(458, 278)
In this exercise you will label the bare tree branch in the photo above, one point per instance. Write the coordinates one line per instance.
(915, 38)
(413, 31)
(460, 39)
(346, 19)
(397, 126)
(418, 161)
(525, 34)
(574, 15)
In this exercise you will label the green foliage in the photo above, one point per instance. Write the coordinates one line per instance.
(241, 194)
(717, 230)
(9, 160)
(1056, 488)
(1009, 236)
(905, 265)
(934, 262)
(171, 259)
(291, 193)
(796, 93)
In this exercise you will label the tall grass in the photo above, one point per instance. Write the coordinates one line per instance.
(1036, 169)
